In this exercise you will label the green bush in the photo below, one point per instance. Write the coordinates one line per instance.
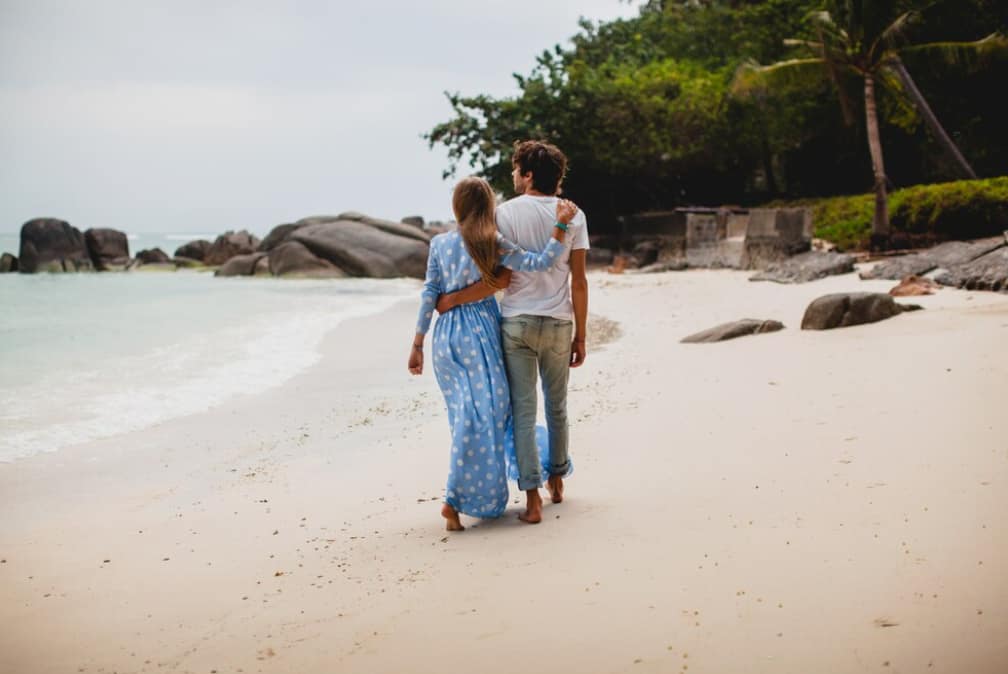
(919, 215)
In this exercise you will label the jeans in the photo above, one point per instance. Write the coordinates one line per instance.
(538, 344)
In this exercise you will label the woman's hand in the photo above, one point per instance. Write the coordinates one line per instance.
(415, 365)
(565, 211)
(503, 277)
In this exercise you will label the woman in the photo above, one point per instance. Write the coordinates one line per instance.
(468, 361)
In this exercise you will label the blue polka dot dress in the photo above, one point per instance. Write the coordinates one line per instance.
(469, 367)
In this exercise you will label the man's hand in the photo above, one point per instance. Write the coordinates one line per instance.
(444, 303)
(472, 293)
(503, 277)
(578, 353)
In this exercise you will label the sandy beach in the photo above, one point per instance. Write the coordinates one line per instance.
(791, 502)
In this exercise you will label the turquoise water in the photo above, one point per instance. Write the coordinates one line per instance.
(84, 356)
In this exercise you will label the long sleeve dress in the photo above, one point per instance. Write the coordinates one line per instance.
(469, 367)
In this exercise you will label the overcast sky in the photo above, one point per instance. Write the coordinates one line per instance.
(205, 116)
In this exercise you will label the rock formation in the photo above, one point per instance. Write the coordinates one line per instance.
(108, 248)
(746, 326)
(841, 310)
(230, 244)
(52, 245)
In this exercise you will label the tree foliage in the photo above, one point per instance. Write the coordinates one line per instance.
(643, 109)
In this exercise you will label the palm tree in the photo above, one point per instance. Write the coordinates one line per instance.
(864, 38)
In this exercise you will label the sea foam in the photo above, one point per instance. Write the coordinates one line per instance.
(191, 343)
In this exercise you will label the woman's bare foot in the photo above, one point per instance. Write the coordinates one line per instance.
(533, 507)
(452, 516)
(555, 486)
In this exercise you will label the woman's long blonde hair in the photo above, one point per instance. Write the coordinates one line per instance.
(473, 202)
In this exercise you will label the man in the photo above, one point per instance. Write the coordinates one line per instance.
(544, 316)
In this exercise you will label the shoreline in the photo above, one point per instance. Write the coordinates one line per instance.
(769, 504)
(190, 344)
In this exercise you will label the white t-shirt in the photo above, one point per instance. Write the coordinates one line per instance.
(528, 221)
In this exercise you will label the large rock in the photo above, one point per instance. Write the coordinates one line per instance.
(194, 250)
(945, 255)
(414, 220)
(108, 248)
(989, 272)
(230, 244)
(240, 265)
(48, 244)
(775, 234)
(8, 263)
(278, 235)
(262, 267)
(293, 258)
(841, 310)
(397, 228)
(746, 326)
(153, 256)
(806, 267)
(363, 246)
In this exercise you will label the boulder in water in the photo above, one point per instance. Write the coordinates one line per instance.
(230, 244)
(194, 250)
(108, 248)
(363, 246)
(52, 245)
(240, 265)
(8, 263)
(278, 235)
(152, 256)
(293, 258)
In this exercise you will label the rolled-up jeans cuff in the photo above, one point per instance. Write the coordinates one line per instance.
(526, 485)
(561, 470)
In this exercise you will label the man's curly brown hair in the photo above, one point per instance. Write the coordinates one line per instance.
(546, 162)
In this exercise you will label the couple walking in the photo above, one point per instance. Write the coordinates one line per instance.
(487, 358)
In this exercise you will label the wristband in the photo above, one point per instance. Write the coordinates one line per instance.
(561, 226)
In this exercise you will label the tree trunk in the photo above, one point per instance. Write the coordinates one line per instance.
(932, 121)
(880, 223)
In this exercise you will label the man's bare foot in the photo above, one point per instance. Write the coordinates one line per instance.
(533, 507)
(452, 516)
(555, 486)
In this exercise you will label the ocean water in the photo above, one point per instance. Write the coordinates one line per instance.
(85, 356)
(10, 242)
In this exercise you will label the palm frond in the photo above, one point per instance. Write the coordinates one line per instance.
(752, 79)
(812, 45)
(962, 53)
(893, 32)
